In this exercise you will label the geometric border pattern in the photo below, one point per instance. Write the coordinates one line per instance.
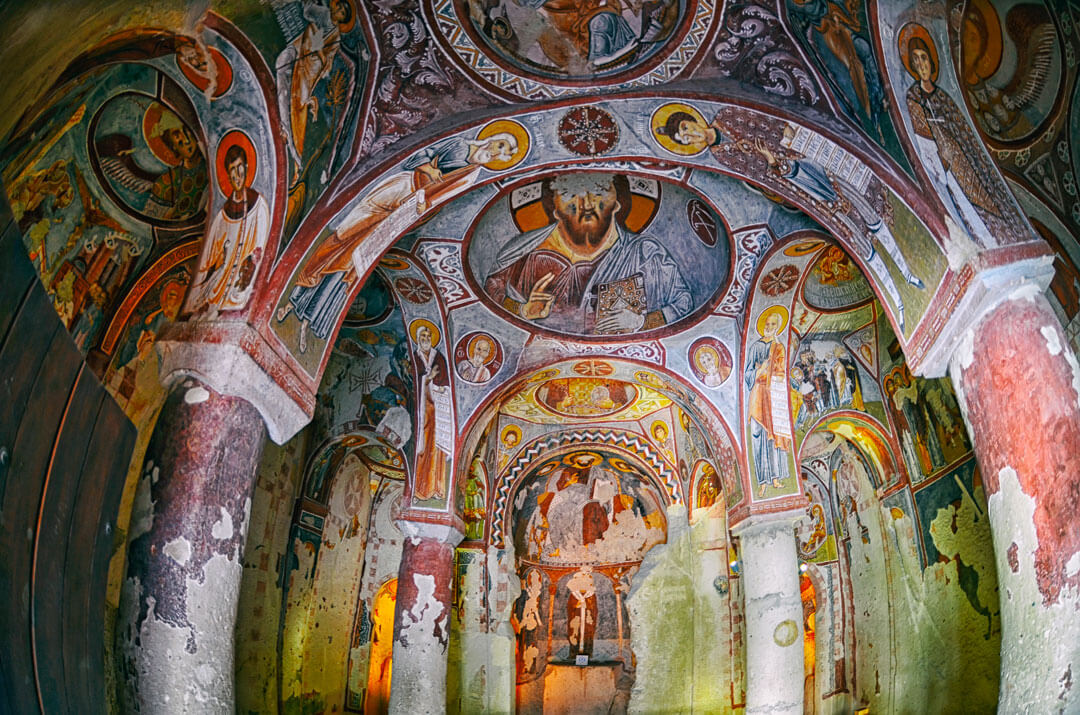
(454, 35)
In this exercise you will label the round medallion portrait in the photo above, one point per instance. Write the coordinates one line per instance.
(477, 357)
(710, 360)
(557, 40)
(537, 49)
(595, 255)
(150, 160)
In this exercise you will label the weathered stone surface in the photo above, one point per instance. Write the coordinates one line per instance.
(422, 620)
(680, 623)
(1020, 388)
(189, 524)
(774, 665)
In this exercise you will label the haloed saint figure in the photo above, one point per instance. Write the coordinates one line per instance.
(236, 240)
(770, 421)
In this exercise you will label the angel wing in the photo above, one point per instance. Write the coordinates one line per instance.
(1033, 33)
(93, 215)
(118, 163)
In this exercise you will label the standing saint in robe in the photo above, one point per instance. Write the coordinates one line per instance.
(952, 154)
(527, 622)
(770, 422)
(433, 427)
(234, 245)
(581, 612)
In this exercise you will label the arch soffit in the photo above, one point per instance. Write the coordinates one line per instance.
(628, 445)
(645, 153)
(140, 45)
(704, 415)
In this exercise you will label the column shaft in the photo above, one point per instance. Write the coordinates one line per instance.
(1019, 385)
(773, 605)
(422, 619)
(188, 527)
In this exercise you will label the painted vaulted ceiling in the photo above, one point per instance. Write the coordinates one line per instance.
(367, 195)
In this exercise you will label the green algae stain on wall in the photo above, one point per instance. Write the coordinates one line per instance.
(680, 631)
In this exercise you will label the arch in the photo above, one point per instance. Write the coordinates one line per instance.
(141, 45)
(380, 663)
(628, 444)
(876, 169)
(869, 434)
(697, 409)
(325, 460)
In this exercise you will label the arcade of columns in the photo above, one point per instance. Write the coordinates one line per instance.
(1003, 341)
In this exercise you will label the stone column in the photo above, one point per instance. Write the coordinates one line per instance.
(773, 605)
(422, 618)
(1019, 387)
(186, 541)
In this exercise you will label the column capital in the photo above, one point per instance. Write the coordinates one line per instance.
(443, 533)
(756, 523)
(233, 359)
(987, 289)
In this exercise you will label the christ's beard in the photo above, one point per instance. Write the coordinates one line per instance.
(587, 234)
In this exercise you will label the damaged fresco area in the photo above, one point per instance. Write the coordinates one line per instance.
(879, 521)
(591, 334)
(177, 566)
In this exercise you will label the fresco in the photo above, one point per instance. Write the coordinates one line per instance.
(709, 489)
(841, 190)
(321, 74)
(710, 361)
(826, 378)
(940, 504)
(1011, 67)
(837, 36)
(950, 151)
(586, 507)
(541, 49)
(321, 287)
(557, 40)
(477, 357)
(595, 254)
(835, 283)
(815, 536)
(557, 400)
(585, 397)
(236, 240)
(578, 518)
(827, 375)
(372, 305)
(155, 170)
(472, 499)
(367, 396)
(765, 376)
(1065, 285)
(435, 418)
(928, 420)
(132, 375)
(131, 172)
(89, 223)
